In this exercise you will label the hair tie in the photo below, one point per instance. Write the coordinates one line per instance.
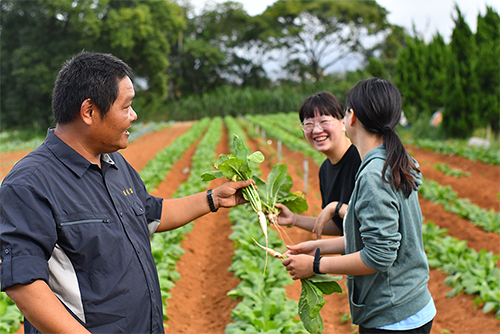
(386, 128)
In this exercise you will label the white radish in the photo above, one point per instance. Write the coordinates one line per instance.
(270, 251)
(263, 223)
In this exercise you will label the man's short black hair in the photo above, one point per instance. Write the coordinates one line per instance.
(87, 75)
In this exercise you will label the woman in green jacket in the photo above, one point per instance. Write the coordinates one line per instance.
(385, 262)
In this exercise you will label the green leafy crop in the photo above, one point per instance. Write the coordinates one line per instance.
(312, 301)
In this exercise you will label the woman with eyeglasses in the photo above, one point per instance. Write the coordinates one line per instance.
(384, 258)
(322, 121)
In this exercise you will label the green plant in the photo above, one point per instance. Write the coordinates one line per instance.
(311, 296)
(10, 315)
(345, 318)
(277, 190)
(447, 170)
(236, 167)
(312, 301)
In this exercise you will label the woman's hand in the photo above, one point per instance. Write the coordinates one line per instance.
(306, 247)
(286, 216)
(299, 266)
(325, 215)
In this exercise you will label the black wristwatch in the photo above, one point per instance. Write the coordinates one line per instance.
(210, 199)
(337, 208)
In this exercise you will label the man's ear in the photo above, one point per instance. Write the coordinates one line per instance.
(87, 111)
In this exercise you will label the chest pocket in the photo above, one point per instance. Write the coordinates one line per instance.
(76, 219)
(134, 202)
(138, 209)
(87, 233)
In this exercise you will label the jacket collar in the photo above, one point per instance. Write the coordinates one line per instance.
(69, 157)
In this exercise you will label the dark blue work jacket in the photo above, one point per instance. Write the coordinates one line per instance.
(85, 231)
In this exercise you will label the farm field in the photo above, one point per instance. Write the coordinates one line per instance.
(199, 301)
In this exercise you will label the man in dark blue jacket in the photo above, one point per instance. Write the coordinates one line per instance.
(76, 218)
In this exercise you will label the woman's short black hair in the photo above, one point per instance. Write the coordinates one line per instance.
(87, 75)
(322, 103)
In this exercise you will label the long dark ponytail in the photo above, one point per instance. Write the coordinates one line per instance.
(377, 105)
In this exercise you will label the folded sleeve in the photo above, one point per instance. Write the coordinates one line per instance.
(27, 236)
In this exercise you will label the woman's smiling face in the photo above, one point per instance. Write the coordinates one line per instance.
(326, 132)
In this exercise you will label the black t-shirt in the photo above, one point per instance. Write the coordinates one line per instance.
(336, 182)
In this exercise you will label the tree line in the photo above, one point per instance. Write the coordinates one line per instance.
(173, 52)
(462, 78)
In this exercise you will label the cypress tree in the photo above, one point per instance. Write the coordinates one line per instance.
(461, 89)
(437, 57)
(488, 69)
(411, 78)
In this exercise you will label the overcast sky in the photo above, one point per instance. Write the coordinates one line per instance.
(429, 16)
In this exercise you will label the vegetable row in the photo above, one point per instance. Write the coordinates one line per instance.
(488, 220)
(460, 148)
(474, 273)
(263, 306)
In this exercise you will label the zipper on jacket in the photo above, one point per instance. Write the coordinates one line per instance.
(85, 221)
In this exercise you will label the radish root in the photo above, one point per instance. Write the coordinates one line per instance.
(270, 251)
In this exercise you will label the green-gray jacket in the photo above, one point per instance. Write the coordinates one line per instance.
(387, 230)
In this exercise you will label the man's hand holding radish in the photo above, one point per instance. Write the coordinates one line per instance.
(180, 211)
(229, 194)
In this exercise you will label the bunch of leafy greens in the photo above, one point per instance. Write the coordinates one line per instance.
(236, 167)
(311, 296)
(277, 190)
(312, 301)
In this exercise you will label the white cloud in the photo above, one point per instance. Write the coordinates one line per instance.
(429, 16)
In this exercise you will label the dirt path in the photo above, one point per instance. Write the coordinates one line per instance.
(481, 187)
(199, 302)
(145, 148)
(8, 160)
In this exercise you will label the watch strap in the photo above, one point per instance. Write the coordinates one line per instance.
(210, 199)
(337, 208)
(317, 258)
